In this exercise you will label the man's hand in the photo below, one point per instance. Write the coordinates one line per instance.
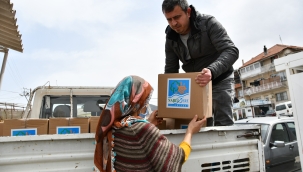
(203, 77)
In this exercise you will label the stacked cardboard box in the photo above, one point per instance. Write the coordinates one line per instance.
(54, 122)
(180, 98)
(40, 124)
(1, 129)
(93, 122)
(61, 122)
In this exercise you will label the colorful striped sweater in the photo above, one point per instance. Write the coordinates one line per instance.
(141, 148)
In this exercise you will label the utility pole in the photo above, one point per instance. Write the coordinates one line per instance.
(25, 93)
(252, 108)
(5, 50)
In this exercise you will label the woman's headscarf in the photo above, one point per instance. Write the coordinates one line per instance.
(130, 95)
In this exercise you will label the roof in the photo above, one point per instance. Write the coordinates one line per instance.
(10, 38)
(263, 120)
(276, 49)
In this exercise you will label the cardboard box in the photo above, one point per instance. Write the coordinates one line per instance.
(82, 122)
(93, 122)
(180, 97)
(170, 123)
(177, 123)
(181, 123)
(1, 129)
(54, 122)
(10, 124)
(57, 122)
(40, 124)
(162, 126)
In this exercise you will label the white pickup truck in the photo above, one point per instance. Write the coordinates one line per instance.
(228, 148)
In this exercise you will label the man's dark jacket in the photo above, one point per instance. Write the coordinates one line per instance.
(209, 47)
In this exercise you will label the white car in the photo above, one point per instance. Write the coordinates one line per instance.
(284, 109)
(279, 142)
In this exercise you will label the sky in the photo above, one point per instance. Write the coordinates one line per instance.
(98, 42)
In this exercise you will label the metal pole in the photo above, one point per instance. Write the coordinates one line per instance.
(252, 108)
(71, 103)
(241, 82)
(3, 65)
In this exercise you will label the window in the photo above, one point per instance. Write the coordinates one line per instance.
(280, 107)
(83, 106)
(279, 133)
(281, 96)
(247, 69)
(89, 105)
(235, 116)
(292, 129)
(299, 71)
(243, 70)
(251, 67)
(282, 76)
(240, 114)
(240, 93)
(257, 65)
(243, 112)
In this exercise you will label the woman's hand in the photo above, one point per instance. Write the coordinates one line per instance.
(154, 119)
(195, 125)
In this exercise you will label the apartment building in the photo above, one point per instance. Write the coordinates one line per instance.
(258, 85)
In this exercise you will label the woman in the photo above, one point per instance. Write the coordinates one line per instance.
(127, 141)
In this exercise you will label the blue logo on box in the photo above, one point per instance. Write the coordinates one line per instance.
(184, 126)
(24, 132)
(68, 130)
(178, 93)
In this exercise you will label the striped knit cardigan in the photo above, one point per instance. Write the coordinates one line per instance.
(141, 148)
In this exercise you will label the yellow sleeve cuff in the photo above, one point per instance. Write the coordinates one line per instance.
(187, 149)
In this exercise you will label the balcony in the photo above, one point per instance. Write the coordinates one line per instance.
(250, 71)
(265, 85)
(253, 103)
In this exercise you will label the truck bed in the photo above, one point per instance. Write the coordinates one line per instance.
(217, 148)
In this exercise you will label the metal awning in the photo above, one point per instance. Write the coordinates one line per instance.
(10, 38)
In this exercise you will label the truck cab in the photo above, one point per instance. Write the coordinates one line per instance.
(55, 101)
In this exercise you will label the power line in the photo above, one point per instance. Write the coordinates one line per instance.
(9, 91)
(12, 98)
(12, 74)
(18, 73)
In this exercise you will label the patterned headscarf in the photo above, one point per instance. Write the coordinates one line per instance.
(130, 95)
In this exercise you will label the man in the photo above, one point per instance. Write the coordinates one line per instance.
(201, 43)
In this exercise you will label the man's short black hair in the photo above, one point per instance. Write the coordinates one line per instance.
(169, 5)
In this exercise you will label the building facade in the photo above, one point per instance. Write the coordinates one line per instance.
(257, 84)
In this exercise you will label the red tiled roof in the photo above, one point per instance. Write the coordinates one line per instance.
(271, 52)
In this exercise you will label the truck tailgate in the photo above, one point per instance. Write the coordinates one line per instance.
(216, 148)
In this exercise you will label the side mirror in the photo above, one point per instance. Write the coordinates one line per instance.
(278, 144)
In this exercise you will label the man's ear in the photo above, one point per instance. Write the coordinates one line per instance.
(188, 11)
